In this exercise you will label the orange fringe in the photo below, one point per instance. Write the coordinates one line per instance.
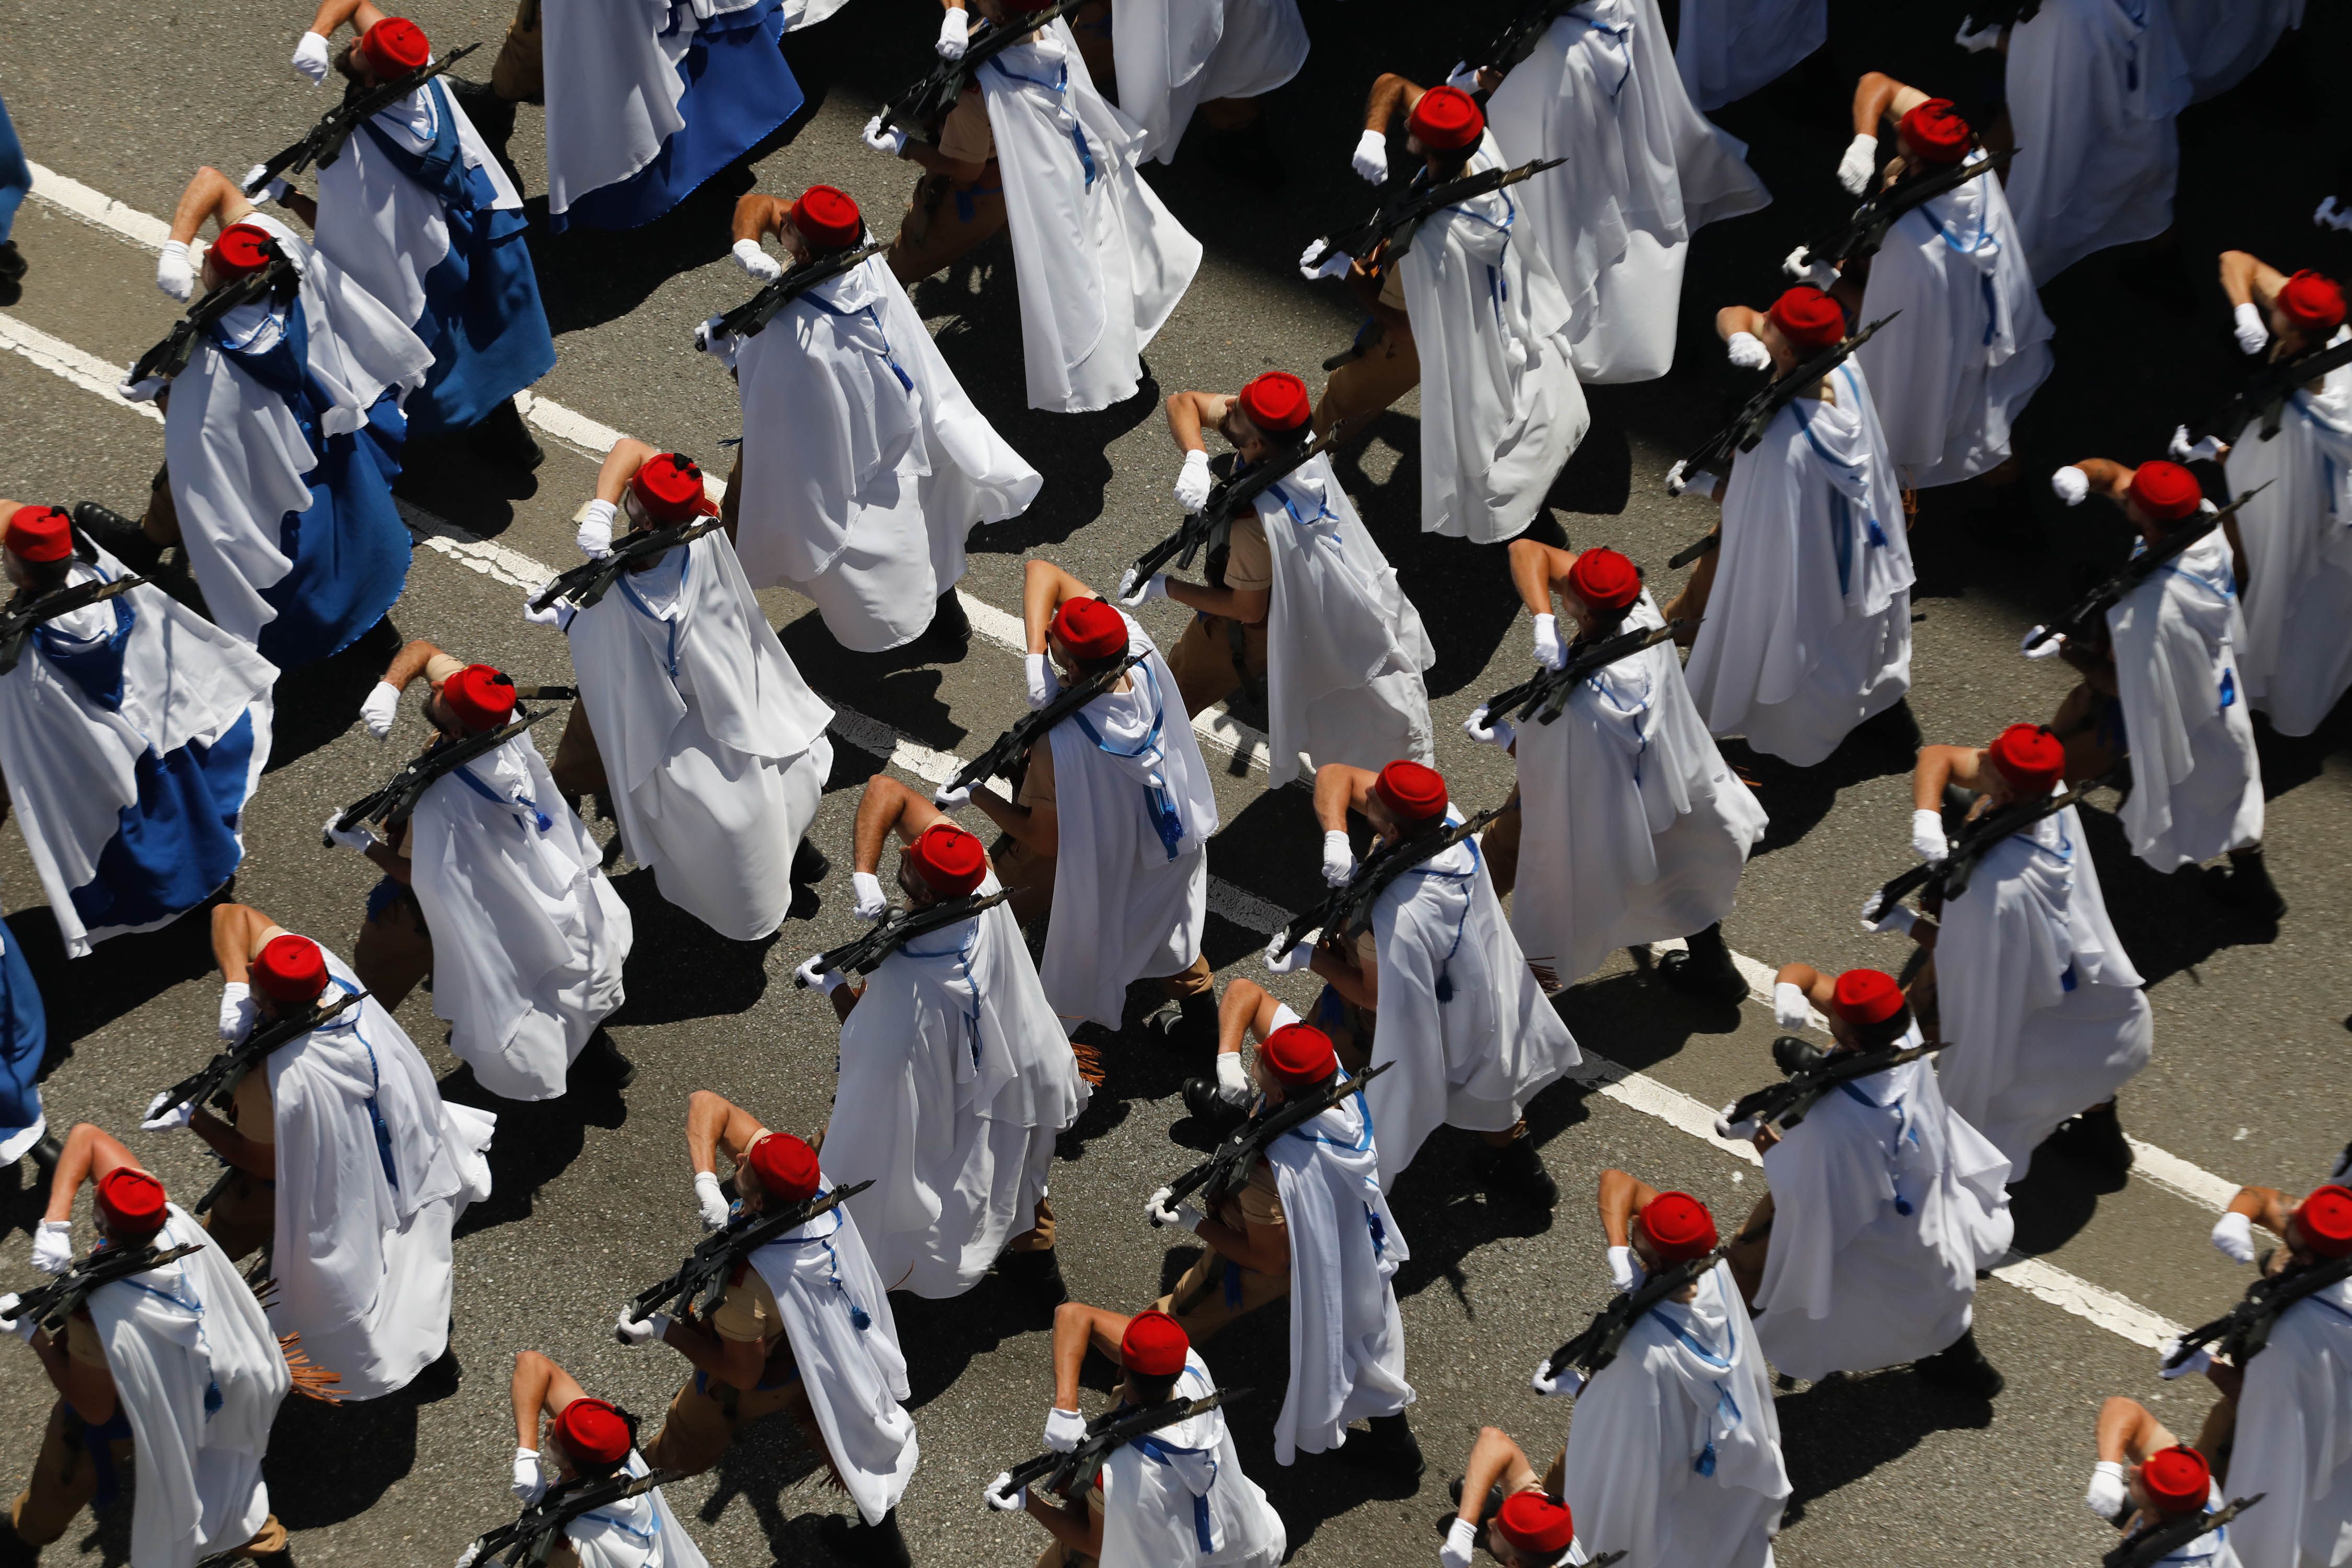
(1090, 1063)
(310, 1381)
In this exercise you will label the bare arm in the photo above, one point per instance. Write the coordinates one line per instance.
(1043, 587)
(90, 1152)
(333, 14)
(2129, 1433)
(714, 1123)
(1190, 413)
(1940, 765)
(1536, 569)
(1391, 95)
(540, 1386)
(1337, 789)
(1077, 1327)
(409, 663)
(1622, 1195)
(2248, 279)
(1738, 319)
(2266, 1206)
(757, 215)
(2111, 479)
(1247, 605)
(238, 929)
(1819, 989)
(1493, 1457)
(888, 807)
(1878, 98)
(210, 195)
(621, 464)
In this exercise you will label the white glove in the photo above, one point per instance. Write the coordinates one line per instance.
(145, 391)
(1154, 587)
(556, 615)
(1747, 350)
(236, 1011)
(756, 262)
(1790, 1006)
(1193, 481)
(1336, 264)
(2233, 1237)
(893, 140)
(1233, 1079)
(1732, 1132)
(2198, 1361)
(1698, 484)
(2329, 216)
(310, 58)
(158, 1119)
(1064, 1429)
(721, 346)
(1550, 652)
(1339, 860)
(529, 1478)
(254, 187)
(1927, 840)
(1463, 77)
(1548, 1383)
(1461, 1544)
(998, 1497)
(818, 978)
(2107, 1495)
(465, 1559)
(1370, 158)
(955, 34)
(2254, 333)
(1978, 41)
(1861, 162)
(1800, 268)
(872, 902)
(380, 708)
(2184, 450)
(630, 1334)
(53, 1246)
(947, 799)
(356, 839)
(174, 273)
(596, 535)
(2071, 485)
(23, 1327)
(709, 1199)
(1491, 733)
(1186, 1216)
(1291, 963)
(1900, 919)
(1043, 682)
(2049, 649)
(1621, 1268)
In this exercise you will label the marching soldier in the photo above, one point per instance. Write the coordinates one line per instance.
(1510, 1510)
(560, 1433)
(2147, 1478)
(1172, 56)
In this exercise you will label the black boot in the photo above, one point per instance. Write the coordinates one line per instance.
(1035, 1277)
(879, 1545)
(2095, 1137)
(1493, 1500)
(16, 1551)
(2246, 886)
(1896, 728)
(1244, 152)
(118, 536)
(602, 1061)
(1186, 1023)
(45, 1156)
(1704, 969)
(13, 265)
(281, 1558)
(1389, 1447)
(1960, 1368)
(809, 865)
(501, 437)
(1211, 1109)
(950, 634)
(1514, 1171)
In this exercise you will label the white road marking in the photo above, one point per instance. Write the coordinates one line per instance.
(86, 371)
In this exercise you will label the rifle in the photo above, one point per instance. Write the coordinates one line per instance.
(1948, 878)
(2264, 395)
(1218, 511)
(752, 317)
(278, 281)
(1519, 40)
(695, 1290)
(1548, 689)
(899, 928)
(1604, 1336)
(1106, 1435)
(1011, 747)
(2243, 1331)
(392, 804)
(22, 615)
(1812, 1073)
(917, 111)
(211, 1082)
(2151, 1544)
(539, 1527)
(1746, 426)
(51, 1304)
(2089, 613)
(1228, 1170)
(590, 581)
(1348, 910)
(324, 142)
(1867, 230)
(1689, 553)
(1396, 223)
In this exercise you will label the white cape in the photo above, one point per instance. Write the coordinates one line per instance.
(2224, 41)
(2294, 1439)
(642, 1531)
(1726, 50)
(613, 86)
(1173, 55)
(1177, 1499)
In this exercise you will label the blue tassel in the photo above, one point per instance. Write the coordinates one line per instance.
(212, 1399)
(858, 1318)
(1705, 1463)
(1444, 987)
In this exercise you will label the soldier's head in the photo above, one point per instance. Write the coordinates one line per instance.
(1296, 1059)
(39, 548)
(127, 1204)
(1086, 636)
(2173, 1481)
(665, 490)
(1444, 129)
(2159, 496)
(2026, 763)
(1530, 1531)
(392, 49)
(943, 862)
(2306, 312)
(288, 974)
(778, 1169)
(1867, 1011)
(590, 1437)
(1671, 1228)
(242, 248)
(1933, 135)
(823, 222)
(473, 701)
(1602, 586)
(1406, 798)
(1802, 322)
(2321, 1226)
(1151, 1354)
(1270, 414)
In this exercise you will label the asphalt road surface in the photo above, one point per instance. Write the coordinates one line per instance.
(593, 1196)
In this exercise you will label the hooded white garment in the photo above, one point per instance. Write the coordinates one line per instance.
(1632, 826)
(1470, 1032)
(845, 1343)
(1346, 1340)
(2224, 41)
(1500, 408)
(2295, 1439)
(642, 1531)
(2197, 784)
(1173, 55)
(1177, 1499)
(1807, 631)
(865, 465)
(612, 85)
(714, 747)
(956, 1078)
(199, 1376)
(1967, 343)
(2094, 88)
(1134, 815)
(528, 936)
(2295, 655)
(1726, 50)
(372, 1171)
(1674, 1453)
(1884, 1205)
(237, 455)
(1100, 261)
(1344, 648)
(71, 764)
(1644, 170)
(2045, 1012)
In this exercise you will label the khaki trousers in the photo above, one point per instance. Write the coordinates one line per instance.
(1202, 661)
(64, 1480)
(945, 223)
(1358, 390)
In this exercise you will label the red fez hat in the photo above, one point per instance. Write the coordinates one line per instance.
(1299, 1055)
(394, 47)
(480, 695)
(950, 860)
(2177, 1479)
(2324, 1219)
(1446, 120)
(593, 1432)
(242, 248)
(1866, 996)
(1604, 579)
(1091, 628)
(828, 218)
(2165, 491)
(1678, 1226)
(2030, 757)
(1154, 1344)
(1934, 133)
(1276, 402)
(1411, 792)
(131, 1200)
(668, 485)
(786, 1167)
(290, 968)
(41, 533)
(1808, 318)
(2312, 302)
(1533, 1522)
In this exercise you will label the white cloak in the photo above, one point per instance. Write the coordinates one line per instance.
(1470, 1032)
(613, 86)
(2295, 1439)
(1884, 1205)
(2094, 87)
(865, 465)
(2197, 784)
(1632, 828)
(714, 747)
(1346, 1340)
(1177, 1499)
(642, 1531)
(528, 936)
(1344, 648)
(956, 1078)
(1967, 344)
(2045, 1012)
(1644, 170)
(71, 765)
(2296, 656)
(2224, 41)
(1134, 813)
(1173, 55)
(1500, 407)
(1726, 50)
(176, 1338)
(1808, 632)
(1100, 261)
(1674, 1457)
(845, 1343)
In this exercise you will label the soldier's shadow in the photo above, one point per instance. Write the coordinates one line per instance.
(330, 1463)
(1837, 1431)
(764, 1463)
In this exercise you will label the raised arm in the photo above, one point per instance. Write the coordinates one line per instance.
(713, 1123)
(210, 195)
(333, 14)
(621, 464)
(1391, 96)
(2129, 1432)
(1077, 1328)
(2108, 479)
(1819, 989)
(1879, 98)
(887, 806)
(1339, 789)
(1940, 765)
(1622, 1195)
(1044, 588)
(409, 663)
(1191, 413)
(539, 1387)
(1536, 569)
(757, 215)
(2248, 279)
(90, 1152)
(238, 931)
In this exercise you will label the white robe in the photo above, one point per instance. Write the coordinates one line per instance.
(865, 464)
(642, 1531)
(1674, 1458)
(1173, 55)
(613, 86)
(1128, 904)
(1470, 1032)
(2197, 784)
(2224, 41)
(1726, 50)
(1344, 648)
(2296, 656)
(713, 746)
(1346, 1340)
(1179, 1499)
(1807, 631)
(1884, 1205)
(956, 1078)
(2295, 1439)
(1500, 407)
(855, 1377)
(1644, 170)
(2045, 1012)
(1632, 828)
(1967, 344)
(2094, 88)
(528, 936)
(1100, 260)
